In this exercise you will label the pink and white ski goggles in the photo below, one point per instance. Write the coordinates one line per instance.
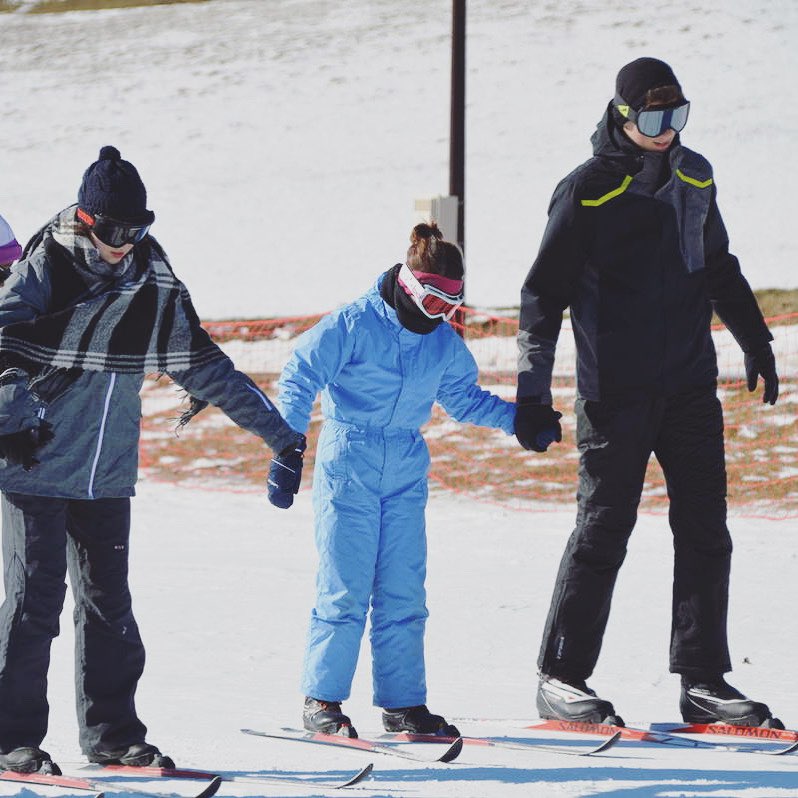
(437, 297)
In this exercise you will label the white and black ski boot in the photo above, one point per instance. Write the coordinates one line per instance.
(137, 755)
(714, 701)
(573, 700)
(417, 720)
(29, 759)
(326, 717)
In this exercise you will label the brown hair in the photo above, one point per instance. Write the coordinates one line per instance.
(663, 95)
(428, 252)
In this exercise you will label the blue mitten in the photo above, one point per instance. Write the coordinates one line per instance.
(285, 474)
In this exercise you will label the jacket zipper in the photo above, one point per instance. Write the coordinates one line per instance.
(101, 433)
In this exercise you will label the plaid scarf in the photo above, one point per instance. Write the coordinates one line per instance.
(137, 321)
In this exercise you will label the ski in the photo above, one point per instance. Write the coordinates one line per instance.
(651, 736)
(730, 730)
(98, 787)
(515, 744)
(190, 773)
(358, 743)
(55, 781)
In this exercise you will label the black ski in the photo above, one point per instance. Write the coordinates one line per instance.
(453, 747)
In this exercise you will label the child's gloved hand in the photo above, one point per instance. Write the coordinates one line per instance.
(537, 425)
(285, 474)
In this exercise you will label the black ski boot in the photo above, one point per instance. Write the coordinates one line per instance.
(326, 717)
(28, 759)
(573, 700)
(138, 755)
(417, 720)
(712, 700)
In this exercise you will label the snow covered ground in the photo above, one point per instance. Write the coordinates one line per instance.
(283, 143)
(223, 586)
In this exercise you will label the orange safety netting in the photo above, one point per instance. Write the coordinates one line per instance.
(761, 441)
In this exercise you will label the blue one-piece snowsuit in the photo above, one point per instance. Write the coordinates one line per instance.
(379, 382)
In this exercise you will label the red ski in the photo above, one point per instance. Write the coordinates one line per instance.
(451, 751)
(502, 742)
(730, 730)
(653, 736)
(56, 781)
(97, 787)
(256, 778)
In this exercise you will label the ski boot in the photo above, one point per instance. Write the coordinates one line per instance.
(417, 720)
(28, 759)
(326, 717)
(138, 755)
(712, 700)
(559, 699)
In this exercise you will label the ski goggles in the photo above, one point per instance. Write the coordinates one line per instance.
(437, 297)
(112, 232)
(653, 122)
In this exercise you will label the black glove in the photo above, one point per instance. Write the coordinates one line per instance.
(22, 431)
(20, 447)
(762, 362)
(285, 474)
(537, 426)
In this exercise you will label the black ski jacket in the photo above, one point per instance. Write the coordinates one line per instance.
(636, 247)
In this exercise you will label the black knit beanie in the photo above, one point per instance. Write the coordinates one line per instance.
(112, 187)
(637, 78)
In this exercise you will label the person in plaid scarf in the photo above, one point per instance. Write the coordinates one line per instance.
(91, 307)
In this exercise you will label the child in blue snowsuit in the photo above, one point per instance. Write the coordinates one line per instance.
(380, 362)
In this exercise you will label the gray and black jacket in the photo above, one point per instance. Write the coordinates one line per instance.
(636, 247)
(96, 418)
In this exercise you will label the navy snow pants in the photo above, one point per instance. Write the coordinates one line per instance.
(616, 439)
(42, 538)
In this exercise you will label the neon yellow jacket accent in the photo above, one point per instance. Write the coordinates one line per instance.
(692, 181)
(610, 194)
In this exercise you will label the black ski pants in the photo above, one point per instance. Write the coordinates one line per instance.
(42, 538)
(615, 440)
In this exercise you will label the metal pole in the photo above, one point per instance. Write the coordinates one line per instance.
(457, 126)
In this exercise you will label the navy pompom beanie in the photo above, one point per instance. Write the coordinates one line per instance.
(112, 187)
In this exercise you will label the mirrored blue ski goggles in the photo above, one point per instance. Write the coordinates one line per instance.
(111, 231)
(654, 122)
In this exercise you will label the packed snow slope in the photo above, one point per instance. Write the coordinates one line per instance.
(284, 142)
(223, 586)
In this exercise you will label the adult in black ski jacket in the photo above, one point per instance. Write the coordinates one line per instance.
(636, 247)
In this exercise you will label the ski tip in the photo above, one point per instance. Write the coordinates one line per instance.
(358, 777)
(452, 752)
(607, 744)
(211, 788)
(790, 749)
